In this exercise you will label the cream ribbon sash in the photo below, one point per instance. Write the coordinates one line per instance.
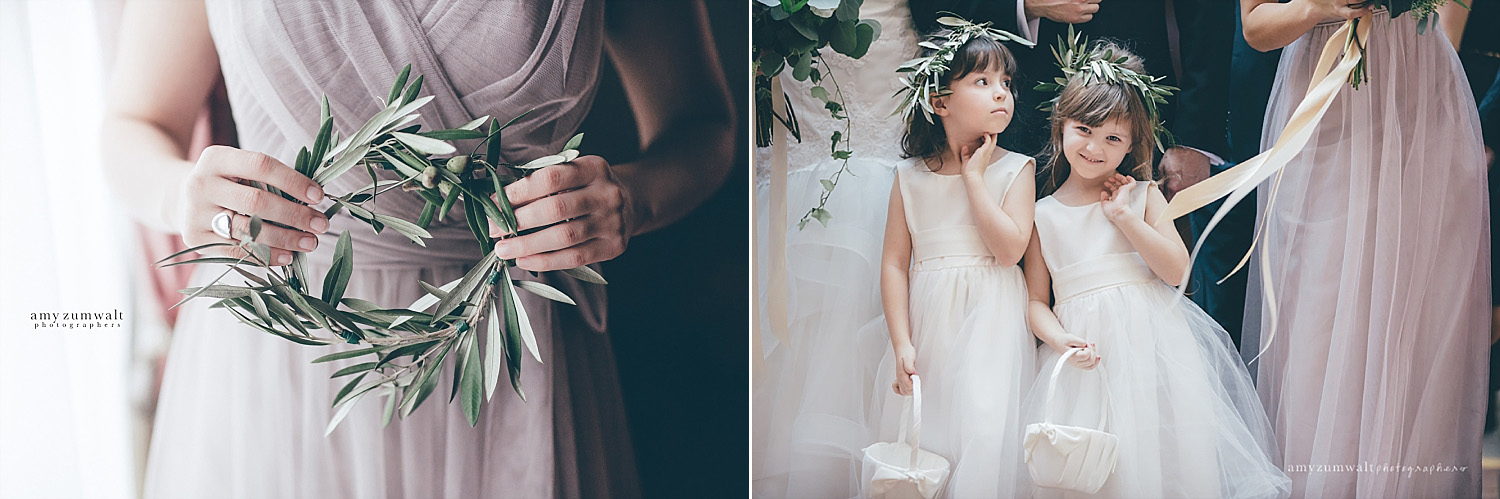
(777, 284)
(1235, 183)
(776, 271)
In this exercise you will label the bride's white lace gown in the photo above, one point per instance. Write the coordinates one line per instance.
(809, 421)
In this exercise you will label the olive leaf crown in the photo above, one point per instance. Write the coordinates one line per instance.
(922, 82)
(1078, 62)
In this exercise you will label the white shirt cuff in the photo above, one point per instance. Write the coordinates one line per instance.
(1029, 26)
(1213, 159)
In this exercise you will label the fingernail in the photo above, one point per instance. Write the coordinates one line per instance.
(307, 243)
(283, 259)
(502, 250)
(319, 224)
(315, 194)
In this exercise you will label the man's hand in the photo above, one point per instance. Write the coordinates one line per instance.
(1063, 11)
(1182, 167)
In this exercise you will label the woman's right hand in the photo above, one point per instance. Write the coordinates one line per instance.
(974, 165)
(1333, 10)
(906, 366)
(219, 182)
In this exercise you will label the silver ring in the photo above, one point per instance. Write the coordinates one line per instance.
(221, 224)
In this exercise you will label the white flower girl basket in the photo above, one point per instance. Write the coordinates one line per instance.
(1071, 457)
(901, 470)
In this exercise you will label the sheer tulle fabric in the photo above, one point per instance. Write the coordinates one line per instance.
(810, 408)
(976, 359)
(968, 325)
(1378, 248)
(242, 413)
(812, 401)
(1180, 400)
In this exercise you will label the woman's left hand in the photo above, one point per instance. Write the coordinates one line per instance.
(1115, 199)
(590, 208)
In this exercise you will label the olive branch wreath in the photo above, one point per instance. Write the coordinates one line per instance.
(920, 75)
(405, 347)
(1077, 61)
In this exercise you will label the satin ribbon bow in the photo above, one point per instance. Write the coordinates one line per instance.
(888, 479)
(1063, 438)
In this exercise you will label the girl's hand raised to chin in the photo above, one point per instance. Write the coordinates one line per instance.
(975, 164)
(1115, 199)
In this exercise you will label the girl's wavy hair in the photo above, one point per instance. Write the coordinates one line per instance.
(1093, 103)
(924, 139)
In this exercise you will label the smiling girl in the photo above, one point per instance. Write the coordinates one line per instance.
(1181, 403)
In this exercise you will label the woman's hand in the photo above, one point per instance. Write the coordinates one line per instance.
(591, 210)
(1270, 24)
(1115, 199)
(906, 366)
(219, 182)
(1331, 10)
(975, 165)
(1087, 358)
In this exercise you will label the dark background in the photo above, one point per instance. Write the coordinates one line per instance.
(678, 304)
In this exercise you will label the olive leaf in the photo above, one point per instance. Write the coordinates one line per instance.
(545, 291)
(425, 145)
(339, 272)
(494, 350)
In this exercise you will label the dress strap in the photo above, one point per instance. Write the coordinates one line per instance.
(1003, 174)
(904, 178)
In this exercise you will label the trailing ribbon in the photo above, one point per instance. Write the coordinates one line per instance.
(1235, 183)
(777, 285)
(776, 272)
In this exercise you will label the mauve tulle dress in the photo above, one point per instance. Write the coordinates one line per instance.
(242, 413)
(1379, 244)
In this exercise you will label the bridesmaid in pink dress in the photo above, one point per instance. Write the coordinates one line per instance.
(242, 413)
(1379, 262)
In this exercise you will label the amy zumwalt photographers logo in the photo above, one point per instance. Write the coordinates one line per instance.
(77, 320)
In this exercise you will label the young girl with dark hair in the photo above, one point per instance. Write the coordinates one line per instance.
(954, 299)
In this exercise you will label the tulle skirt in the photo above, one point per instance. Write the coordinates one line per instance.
(976, 359)
(242, 414)
(1378, 247)
(810, 403)
(1179, 398)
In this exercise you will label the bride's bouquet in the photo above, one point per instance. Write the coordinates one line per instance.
(404, 347)
(791, 35)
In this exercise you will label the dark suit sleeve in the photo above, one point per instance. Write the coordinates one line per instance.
(924, 13)
(1489, 114)
(1205, 44)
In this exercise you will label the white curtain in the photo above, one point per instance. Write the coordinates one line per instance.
(64, 248)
